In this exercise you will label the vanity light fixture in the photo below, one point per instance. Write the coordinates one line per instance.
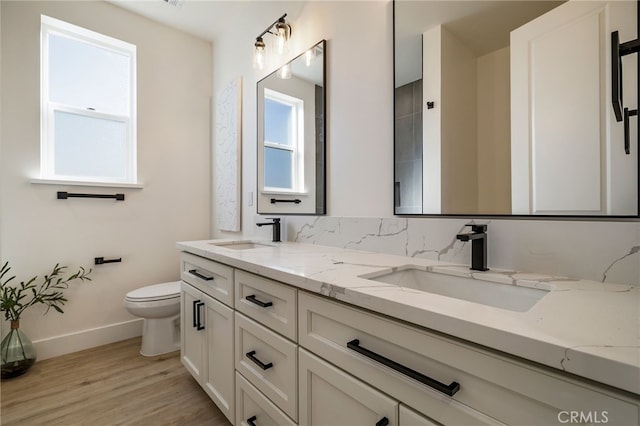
(282, 31)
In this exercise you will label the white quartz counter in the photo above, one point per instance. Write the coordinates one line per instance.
(582, 327)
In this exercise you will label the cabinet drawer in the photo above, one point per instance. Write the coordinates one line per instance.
(211, 277)
(491, 386)
(269, 302)
(269, 362)
(254, 406)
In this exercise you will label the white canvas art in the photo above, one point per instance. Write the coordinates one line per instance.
(227, 156)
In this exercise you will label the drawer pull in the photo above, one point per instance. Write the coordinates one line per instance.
(251, 421)
(251, 356)
(446, 389)
(252, 299)
(195, 313)
(383, 422)
(199, 275)
(198, 305)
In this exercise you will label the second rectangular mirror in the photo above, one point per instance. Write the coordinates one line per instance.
(291, 136)
(505, 108)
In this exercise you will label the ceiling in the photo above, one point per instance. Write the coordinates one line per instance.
(208, 19)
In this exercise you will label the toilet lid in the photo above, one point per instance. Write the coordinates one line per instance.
(156, 292)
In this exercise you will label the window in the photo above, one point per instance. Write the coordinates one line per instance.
(283, 142)
(88, 126)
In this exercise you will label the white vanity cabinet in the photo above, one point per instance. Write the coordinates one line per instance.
(207, 328)
(279, 355)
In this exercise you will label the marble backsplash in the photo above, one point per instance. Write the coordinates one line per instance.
(599, 251)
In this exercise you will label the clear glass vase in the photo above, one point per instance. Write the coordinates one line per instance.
(17, 352)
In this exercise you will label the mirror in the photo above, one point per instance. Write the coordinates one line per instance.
(473, 136)
(291, 136)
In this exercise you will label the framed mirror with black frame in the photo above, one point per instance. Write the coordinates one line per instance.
(291, 101)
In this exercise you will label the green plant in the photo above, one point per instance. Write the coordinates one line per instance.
(14, 300)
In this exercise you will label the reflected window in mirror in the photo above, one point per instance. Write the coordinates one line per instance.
(283, 142)
(291, 136)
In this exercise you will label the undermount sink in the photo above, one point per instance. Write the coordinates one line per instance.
(241, 245)
(505, 296)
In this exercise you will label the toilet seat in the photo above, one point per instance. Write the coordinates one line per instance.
(155, 292)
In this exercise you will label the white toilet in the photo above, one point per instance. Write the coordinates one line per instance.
(159, 306)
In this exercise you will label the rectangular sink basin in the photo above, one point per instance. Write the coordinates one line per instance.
(510, 297)
(241, 245)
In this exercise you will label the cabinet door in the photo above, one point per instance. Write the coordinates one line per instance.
(192, 339)
(329, 396)
(218, 379)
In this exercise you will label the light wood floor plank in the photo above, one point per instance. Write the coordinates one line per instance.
(105, 386)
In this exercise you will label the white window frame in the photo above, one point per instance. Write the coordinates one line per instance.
(297, 136)
(48, 108)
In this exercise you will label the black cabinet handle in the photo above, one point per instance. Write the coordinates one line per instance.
(251, 356)
(383, 422)
(198, 306)
(199, 275)
(449, 390)
(251, 421)
(195, 313)
(252, 299)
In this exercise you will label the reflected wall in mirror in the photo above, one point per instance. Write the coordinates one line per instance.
(505, 108)
(291, 136)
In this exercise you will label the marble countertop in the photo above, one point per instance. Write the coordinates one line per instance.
(582, 327)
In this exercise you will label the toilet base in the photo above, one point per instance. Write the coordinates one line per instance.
(160, 336)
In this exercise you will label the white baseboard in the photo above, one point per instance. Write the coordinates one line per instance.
(73, 342)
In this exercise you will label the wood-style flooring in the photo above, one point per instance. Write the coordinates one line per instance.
(104, 386)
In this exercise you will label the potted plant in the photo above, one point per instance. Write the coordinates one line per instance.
(16, 350)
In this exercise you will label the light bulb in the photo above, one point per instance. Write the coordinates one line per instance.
(259, 54)
(283, 31)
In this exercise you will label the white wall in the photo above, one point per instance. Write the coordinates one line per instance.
(360, 162)
(37, 231)
(359, 97)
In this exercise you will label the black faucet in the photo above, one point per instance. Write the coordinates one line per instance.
(276, 228)
(478, 238)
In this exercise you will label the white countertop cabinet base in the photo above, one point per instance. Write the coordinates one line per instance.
(318, 378)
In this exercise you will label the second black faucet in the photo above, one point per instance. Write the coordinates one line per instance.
(276, 228)
(478, 238)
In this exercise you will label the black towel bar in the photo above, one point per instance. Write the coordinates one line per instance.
(101, 260)
(64, 195)
(295, 201)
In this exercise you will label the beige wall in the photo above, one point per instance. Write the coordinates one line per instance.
(459, 126)
(494, 133)
(37, 231)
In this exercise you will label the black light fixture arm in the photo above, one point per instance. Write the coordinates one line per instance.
(268, 30)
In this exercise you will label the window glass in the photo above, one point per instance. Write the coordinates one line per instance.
(89, 146)
(278, 122)
(88, 76)
(279, 172)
